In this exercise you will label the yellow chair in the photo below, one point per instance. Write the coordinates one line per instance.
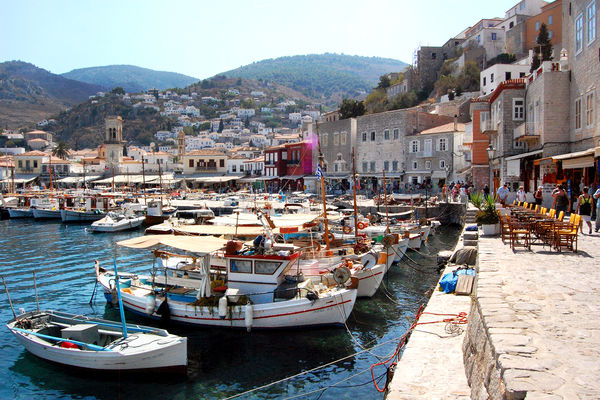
(552, 213)
(526, 205)
(561, 215)
(514, 202)
(565, 234)
(543, 210)
(537, 208)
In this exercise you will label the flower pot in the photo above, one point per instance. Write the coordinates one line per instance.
(490, 229)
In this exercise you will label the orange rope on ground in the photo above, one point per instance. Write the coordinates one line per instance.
(458, 319)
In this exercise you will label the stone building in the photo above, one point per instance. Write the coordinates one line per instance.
(113, 143)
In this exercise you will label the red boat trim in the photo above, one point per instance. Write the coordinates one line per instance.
(370, 276)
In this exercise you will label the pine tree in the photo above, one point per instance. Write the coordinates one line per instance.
(542, 50)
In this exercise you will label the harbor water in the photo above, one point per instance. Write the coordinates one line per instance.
(222, 363)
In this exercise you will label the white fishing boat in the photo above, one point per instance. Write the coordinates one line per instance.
(252, 288)
(20, 212)
(46, 213)
(116, 221)
(96, 344)
(81, 215)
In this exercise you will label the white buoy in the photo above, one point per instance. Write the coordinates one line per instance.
(248, 317)
(150, 304)
(223, 307)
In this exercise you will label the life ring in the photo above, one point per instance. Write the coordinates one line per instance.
(331, 237)
(347, 229)
(361, 225)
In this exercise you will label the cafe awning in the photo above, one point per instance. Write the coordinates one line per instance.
(579, 159)
(523, 155)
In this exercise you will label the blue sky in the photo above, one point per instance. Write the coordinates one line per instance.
(203, 38)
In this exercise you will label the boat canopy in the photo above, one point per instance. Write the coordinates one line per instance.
(201, 245)
(227, 230)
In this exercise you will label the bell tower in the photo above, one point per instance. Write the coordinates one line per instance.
(113, 143)
(180, 146)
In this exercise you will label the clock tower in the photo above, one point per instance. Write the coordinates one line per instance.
(113, 143)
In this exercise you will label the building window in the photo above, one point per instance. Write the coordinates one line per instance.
(394, 165)
(578, 113)
(591, 22)
(442, 145)
(518, 109)
(21, 164)
(324, 139)
(521, 74)
(222, 163)
(589, 109)
(35, 162)
(493, 35)
(336, 139)
(484, 82)
(343, 141)
(415, 165)
(386, 134)
(442, 164)
(537, 25)
(550, 34)
(191, 164)
(550, 19)
(364, 136)
(373, 136)
(428, 165)
(507, 76)
(233, 168)
(511, 24)
(335, 168)
(491, 78)
(395, 134)
(372, 166)
(365, 166)
(579, 33)
(414, 146)
(433, 56)
(386, 165)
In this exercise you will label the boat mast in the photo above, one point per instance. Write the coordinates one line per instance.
(387, 215)
(121, 310)
(354, 178)
(321, 160)
(84, 184)
(144, 182)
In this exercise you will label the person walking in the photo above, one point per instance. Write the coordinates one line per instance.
(597, 197)
(539, 196)
(561, 200)
(503, 193)
(584, 208)
(521, 195)
(486, 190)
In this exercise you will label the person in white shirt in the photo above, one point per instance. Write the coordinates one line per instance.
(521, 195)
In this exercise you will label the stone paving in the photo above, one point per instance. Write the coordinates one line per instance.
(432, 363)
(534, 326)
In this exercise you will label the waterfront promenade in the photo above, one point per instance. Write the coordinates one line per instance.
(533, 332)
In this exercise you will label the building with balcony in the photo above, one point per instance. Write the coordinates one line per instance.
(30, 162)
(205, 162)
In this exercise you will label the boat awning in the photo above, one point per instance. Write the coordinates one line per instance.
(519, 156)
(78, 179)
(195, 244)
(214, 179)
(404, 214)
(19, 179)
(227, 230)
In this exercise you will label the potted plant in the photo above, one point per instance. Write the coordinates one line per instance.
(487, 216)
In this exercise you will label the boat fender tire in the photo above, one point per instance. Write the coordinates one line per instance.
(361, 225)
(331, 237)
(347, 229)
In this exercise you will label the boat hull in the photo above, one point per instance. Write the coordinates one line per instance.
(81, 216)
(46, 214)
(369, 280)
(20, 212)
(330, 309)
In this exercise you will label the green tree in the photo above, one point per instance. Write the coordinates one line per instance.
(384, 82)
(543, 50)
(351, 108)
(118, 90)
(444, 85)
(221, 126)
(61, 150)
(468, 79)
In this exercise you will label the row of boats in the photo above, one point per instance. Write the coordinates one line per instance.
(259, 270)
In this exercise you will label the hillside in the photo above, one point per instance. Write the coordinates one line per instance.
(131, 78)
(29, 94)
(83, 125)
(327, 77)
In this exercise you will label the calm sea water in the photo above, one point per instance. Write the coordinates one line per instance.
(222, 363)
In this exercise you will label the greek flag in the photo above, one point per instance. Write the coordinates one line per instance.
(319, 172)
